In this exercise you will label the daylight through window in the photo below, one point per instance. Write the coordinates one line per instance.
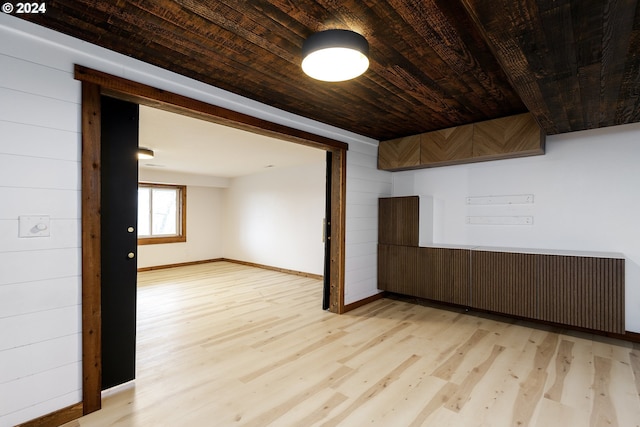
(161, 213)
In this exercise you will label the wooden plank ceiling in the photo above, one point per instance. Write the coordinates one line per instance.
(434, 63)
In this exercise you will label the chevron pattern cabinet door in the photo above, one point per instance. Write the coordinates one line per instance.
(446, 146)
(514, 136)
(504, 138)
(399, 154)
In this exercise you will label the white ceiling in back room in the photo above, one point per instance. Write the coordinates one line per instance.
(188, 145)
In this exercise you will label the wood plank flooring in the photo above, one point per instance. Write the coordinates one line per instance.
(223, 344)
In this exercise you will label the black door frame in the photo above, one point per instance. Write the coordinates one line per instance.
(95, 84)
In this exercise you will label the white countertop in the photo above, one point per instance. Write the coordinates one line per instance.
(533, 251)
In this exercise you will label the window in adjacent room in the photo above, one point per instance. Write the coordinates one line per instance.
(162, 213)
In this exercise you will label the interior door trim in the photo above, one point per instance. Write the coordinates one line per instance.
(96, 83)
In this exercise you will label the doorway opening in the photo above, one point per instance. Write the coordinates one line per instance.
(269, 195)
(95, 84)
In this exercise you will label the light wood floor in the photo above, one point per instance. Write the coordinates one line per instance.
(223, 344)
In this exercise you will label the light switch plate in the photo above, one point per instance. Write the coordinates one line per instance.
(34, 226)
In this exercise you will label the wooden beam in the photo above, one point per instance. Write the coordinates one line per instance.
(338, 226)
(91, 268)
(128, 90)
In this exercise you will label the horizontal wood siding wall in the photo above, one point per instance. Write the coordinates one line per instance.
(40, 356)
(365, 184)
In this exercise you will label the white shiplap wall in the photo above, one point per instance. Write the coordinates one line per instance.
(365, 184)
(40, 353)
(40, 357)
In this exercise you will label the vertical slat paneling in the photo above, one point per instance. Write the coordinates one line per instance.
(385, 221)
(504, 282)
(582, 291)
(398, 269)
(407, 220)
(384, 267)
(444, 275)
(398, 220)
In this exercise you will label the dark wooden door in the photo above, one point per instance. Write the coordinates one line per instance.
(119, 214)
(326, 295)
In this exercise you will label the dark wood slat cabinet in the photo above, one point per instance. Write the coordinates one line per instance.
(398, 270)
(580, 289)
(433, 273)
(446, 273)
(504, 282)
(402, 219)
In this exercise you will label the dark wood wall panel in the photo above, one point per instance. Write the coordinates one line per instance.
(504, 282)
(398, 220)
(444, 275)
(571, 61)
(584, 292)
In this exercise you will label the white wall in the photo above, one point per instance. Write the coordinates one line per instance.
(39, 174)
(204, 226)
(586, 197)
(365, 184)
(205, 239)
(275, 217)
(39, 277)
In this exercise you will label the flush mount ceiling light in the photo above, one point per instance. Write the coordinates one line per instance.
(145, 153)
(335, 55)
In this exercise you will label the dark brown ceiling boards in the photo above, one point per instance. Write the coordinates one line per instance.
(574, 63)
(435, 64)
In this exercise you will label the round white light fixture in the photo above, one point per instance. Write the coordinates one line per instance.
(145, 153)
(335, 55)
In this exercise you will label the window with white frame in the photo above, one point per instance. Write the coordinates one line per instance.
(161, 213)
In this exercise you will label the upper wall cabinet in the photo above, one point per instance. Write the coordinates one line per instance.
(399, 220)
(515, 136)
(401, 153)
(446, 146)
(507, 137)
